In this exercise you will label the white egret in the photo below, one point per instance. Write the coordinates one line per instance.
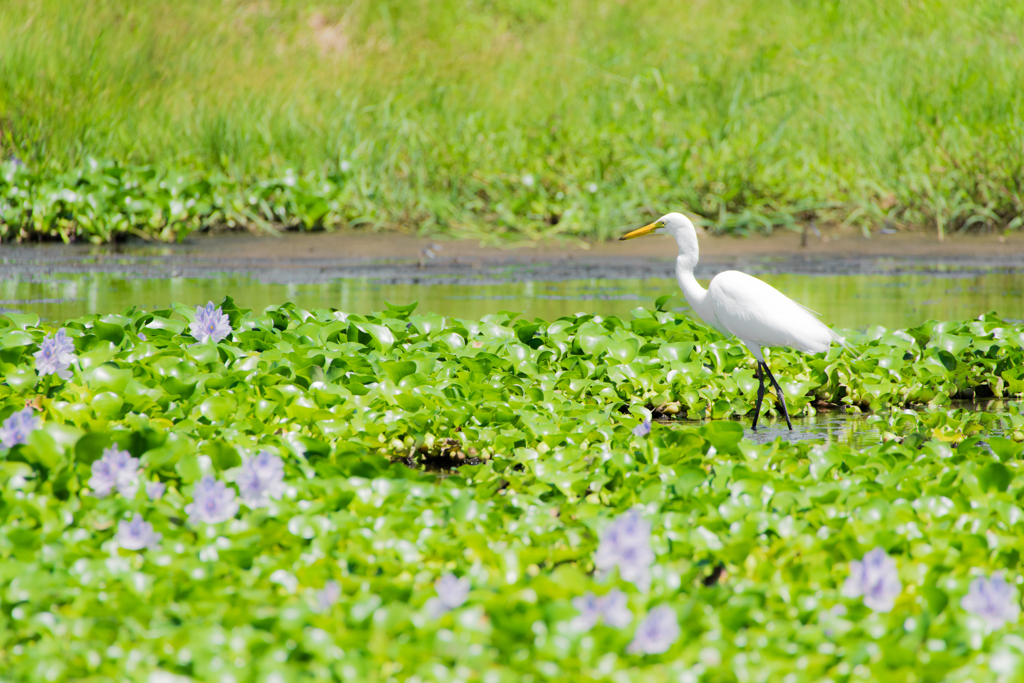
(736, 303)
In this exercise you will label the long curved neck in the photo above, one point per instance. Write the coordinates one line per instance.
(694, 293)
(689, 253)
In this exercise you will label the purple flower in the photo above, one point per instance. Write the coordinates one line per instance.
(261, 479)
(656, 632)
(452, 592)
(876, 578)
(626, 544)
(137, 534)
(212, 502)
(993, 600)
(17, 428)
(324, 599)
(55, 355)
(155, 489)
(142, 336)
(210, 323)
(589, 607)
(642, 429)
(611, 607)
(116, 469)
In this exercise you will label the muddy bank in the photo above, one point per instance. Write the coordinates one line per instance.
(390, 258)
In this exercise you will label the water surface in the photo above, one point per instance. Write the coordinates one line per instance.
(844, 301)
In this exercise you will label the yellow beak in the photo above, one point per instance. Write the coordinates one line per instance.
(640, 232)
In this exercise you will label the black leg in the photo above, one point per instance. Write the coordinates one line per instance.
(760, 396)
(782, 398)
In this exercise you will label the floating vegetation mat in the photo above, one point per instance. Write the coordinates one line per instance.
(216, 494)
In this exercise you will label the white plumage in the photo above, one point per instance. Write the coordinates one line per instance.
(736, 303)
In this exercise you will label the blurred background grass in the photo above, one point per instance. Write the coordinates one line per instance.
(529, 117)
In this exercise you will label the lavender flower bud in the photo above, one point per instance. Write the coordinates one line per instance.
(589, 607)
(17, 427)
(55, 355)
(626, 544)
(261, 479)
(612, 608)
(137, 534)
(212, 502)
(656, 632)
(155, 490)
(210, 323)
(324, 599)
(993, 600)
(452, 592)
(615, 610)
(115, 469)
(876, 578)
(642, 429)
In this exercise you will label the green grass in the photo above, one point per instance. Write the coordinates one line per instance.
(749, 114)
(752, 543)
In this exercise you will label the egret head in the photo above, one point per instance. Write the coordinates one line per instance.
(675, 224)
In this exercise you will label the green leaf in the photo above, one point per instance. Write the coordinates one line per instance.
(951, 343)
(384, 337)
(724, 436)
(396, 370)
(593, 338)
(90, 447)
(664, 301)
(12, 340)
(1006, 449)
(108, 332)
(224, 456)
(109, 376)
(20, 321)
(203, 353)
(404, 311)
(21, 379)
(428, 323)
(995, 477)
(188, 468)
(107, 404)
(44, 449)
(217, 408)
(623, 351)
(478, 365)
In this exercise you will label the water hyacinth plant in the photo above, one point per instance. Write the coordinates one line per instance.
(656, 633)
(642, 429)
(626, 546)
(17, 427)
(137, 534)
(325, 598)
(475, 492)
(155, 489)
(876, 579)
(115, 469)
(992, 599)
(611, 608)
(212, 503)
(452, 593)
(210, 324)
(261, 479)
(55, 355)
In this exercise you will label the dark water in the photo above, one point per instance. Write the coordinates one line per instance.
(844, 301)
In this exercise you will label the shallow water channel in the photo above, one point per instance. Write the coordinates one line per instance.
(844, 301)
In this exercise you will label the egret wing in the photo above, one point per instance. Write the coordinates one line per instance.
(756, 312)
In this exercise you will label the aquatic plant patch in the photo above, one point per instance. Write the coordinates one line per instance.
(223, 494)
